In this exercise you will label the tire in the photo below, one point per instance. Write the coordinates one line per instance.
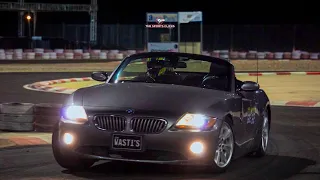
(45, 123)
(218, 168)
(17, 117)
(15, 126)
(46, 116)
(262, 150)
(17, 108)
(46, 109)
(67, 159)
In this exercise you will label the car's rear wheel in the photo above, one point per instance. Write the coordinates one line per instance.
(68, 159)
(264, 136)
(225, 148)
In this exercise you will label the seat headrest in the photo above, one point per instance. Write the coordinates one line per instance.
(217, 70)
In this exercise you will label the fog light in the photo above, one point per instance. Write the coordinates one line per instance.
(68, 138)
(197, 147)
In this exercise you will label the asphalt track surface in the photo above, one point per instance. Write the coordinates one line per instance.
(293, 150)
(11, 87)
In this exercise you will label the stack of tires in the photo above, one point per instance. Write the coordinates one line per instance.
(242, 55)
(234, 55)
(46, 116)
(252, 55)
(27, 117)
(16, 117)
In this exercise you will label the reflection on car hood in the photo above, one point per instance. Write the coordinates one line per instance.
(147, 96)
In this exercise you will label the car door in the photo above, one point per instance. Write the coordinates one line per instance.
(246, 104)
(249, 113)
(240, 121)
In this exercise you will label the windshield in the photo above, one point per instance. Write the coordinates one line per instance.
(176, 70)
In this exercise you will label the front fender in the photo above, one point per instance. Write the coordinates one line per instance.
(218, 110)
(262, 101)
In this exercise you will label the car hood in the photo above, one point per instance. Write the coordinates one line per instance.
(147, 96)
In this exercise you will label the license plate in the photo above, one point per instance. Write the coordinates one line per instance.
(130, 142)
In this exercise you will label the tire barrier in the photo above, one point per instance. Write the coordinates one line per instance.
(224, 54)
(46, 116)
(261, 55)
(252, 55)
(314, 56)
(278, 55)
(206, 53)
(69, 54)
(269, 55)
(2, 54)
(287, 55)
(242, 55)
(215, 53)
(27, 117)
(305, 55)
(234, 55)
(103, 55)
(31, 55)
(86, 56)
(130, 52)
(16, 117)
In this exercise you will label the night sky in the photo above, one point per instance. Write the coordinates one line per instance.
(215, 12)
(262, 12)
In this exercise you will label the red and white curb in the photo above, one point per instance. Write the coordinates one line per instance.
(296, 103)
(277, 73)
(10, 139)
(46, 86)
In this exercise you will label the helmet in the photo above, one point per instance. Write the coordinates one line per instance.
(155, 59)
(155, 71)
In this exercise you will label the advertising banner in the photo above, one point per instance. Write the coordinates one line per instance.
(163, 47)
(186, 17)
(167, 17)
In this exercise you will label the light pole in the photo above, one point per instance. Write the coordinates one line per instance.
(29, 19)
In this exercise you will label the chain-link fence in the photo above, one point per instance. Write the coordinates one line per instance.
(215, 37)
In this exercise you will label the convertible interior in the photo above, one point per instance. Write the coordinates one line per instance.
(217, 78)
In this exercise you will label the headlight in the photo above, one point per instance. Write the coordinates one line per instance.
(195, 121)
(74, 114)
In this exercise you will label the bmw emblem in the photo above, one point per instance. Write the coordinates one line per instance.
(130, 111)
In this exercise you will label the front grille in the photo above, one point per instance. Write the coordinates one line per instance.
(148, 125)
(110, 122)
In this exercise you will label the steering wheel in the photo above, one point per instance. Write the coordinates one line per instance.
(206, 81)
(213, 82)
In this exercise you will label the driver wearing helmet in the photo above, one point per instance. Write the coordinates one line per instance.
(156, 71)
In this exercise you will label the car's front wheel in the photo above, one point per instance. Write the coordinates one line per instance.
(66, 159)
(225, 148)
(264, 136)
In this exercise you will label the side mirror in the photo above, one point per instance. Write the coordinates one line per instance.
(250, 86)
(99, 76)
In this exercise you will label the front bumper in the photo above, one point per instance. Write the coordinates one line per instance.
(168, 147)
